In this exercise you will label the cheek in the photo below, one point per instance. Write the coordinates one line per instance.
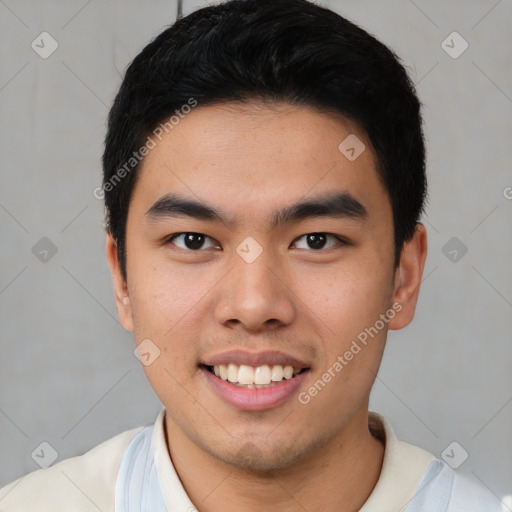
(168, 307)
(163, 295)
(346, 299)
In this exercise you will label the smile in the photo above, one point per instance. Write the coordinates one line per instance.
(254, 388)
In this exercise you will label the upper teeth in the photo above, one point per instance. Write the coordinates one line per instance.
(260, 375)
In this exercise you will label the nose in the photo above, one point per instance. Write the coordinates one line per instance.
(255, 295)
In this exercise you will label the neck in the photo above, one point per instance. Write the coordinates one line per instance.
(340, 475)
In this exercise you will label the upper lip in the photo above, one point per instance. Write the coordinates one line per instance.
(255, 359)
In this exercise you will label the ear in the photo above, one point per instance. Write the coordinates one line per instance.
(122, 297)
(408, 277)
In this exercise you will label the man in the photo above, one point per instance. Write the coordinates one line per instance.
(264, 176)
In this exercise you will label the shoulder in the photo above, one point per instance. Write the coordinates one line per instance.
(82, 484)
(443, 489)
(414, 478)
(469, 495)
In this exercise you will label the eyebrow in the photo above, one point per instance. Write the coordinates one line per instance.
(335, 205)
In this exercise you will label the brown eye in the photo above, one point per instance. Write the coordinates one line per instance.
(318, 241)
(190, 241)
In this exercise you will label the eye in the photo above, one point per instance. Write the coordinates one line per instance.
(191, 241)
(317, 241)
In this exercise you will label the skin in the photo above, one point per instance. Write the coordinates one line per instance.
(248, 161)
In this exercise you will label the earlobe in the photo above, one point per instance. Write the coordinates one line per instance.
(122, 298)
(408, 277)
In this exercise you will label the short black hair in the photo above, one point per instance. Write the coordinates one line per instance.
(289, 51)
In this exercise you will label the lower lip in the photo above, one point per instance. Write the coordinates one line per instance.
(248, 399)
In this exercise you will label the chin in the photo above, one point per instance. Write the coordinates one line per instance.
(266, 458)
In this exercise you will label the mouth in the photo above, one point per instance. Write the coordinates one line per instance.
(254, 382)
(259, 377)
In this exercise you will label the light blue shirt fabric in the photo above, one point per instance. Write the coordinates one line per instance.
(444, 490)
(137, 485)
(441, 490)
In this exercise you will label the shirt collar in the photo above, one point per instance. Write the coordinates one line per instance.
(403, 468)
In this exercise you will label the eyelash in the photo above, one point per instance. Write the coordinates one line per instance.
(341, 241)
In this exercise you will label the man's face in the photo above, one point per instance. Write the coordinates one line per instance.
(247, 291)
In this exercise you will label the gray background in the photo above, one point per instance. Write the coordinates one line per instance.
(68, 373)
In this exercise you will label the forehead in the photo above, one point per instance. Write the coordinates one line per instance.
(250, 158)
